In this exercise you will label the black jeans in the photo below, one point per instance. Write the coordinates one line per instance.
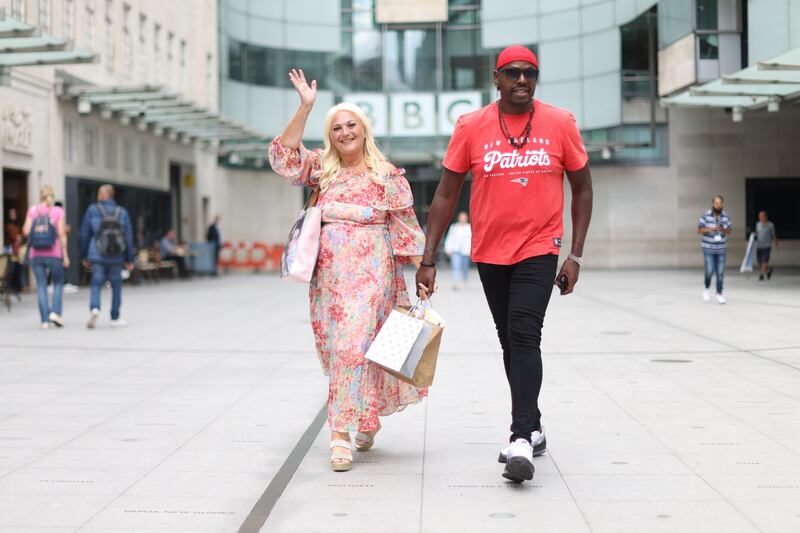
(518, 296)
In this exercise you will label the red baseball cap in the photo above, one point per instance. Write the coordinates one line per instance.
(516, 53)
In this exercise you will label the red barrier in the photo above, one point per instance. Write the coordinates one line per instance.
(249, 255)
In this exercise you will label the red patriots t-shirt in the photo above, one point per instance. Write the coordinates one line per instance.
(517, 194)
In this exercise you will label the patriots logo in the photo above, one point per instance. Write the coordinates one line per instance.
(521, 181)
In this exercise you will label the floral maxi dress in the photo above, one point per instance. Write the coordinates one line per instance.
(368, 231)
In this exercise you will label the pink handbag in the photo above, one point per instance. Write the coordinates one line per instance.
(299, 257)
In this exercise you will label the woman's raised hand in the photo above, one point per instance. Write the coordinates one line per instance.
(307, 92)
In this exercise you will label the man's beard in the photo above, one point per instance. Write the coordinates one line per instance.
(716, 211)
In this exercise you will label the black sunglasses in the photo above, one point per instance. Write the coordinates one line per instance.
(512, 73)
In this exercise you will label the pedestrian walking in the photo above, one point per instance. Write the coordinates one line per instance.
(458, 245)
(215, 237)
(69, 288)
(47, 254)
(714, 227)
(13, 245)
(106, 248)
(369, 230)
(517, 150)
(765, 236)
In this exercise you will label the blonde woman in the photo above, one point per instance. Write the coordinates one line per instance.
(47, 253)
(369, 231)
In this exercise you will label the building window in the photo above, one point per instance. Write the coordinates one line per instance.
(110, 149)
(708, 45)
(89, 24)
(209, 79)
(157, 53)
(110, 48)
(409, 59)
(69, 20)
(127, 45)
(142, 48)
(19, 9)
(160, 162)
(170, 74)
(144, 159)
(44, 15)
(69, 141)
(707, 15)
(89, 141)
(183, 80)
(127, 156)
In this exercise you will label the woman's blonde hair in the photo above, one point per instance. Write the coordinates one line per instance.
(376, 162)
(47, 195)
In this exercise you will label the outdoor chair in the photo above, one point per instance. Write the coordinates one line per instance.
(145, 267)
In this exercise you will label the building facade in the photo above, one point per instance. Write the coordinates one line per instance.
(415, 69)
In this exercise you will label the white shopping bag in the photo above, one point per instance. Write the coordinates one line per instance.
(407, 346)
(395, 341)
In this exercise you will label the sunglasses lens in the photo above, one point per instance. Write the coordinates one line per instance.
(512, 73)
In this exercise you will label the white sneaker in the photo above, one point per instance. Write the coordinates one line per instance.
(45, 325)
(118, 323)
(519, 466)
(720, 299)
(56, 319)
(69, 288)
(706, 295)
(539, 443)
(93, 316)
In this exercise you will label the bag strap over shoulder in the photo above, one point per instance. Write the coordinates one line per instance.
(312, 200)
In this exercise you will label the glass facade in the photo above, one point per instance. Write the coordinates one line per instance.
(374, 57)
(365, 61)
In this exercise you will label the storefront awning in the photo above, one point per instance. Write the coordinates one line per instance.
(161, 111)
(766, 85)
(22, 44)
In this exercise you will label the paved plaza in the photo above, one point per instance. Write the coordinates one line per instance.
(662, 412)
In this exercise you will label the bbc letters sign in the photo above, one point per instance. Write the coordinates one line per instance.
(415, 114)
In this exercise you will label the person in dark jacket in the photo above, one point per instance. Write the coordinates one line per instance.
(214, 236)
(106, 266)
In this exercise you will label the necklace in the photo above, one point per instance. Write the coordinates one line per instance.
(522, 139)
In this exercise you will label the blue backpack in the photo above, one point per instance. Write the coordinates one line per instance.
(43, 232)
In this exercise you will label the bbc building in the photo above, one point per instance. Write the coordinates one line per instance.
(632, 72)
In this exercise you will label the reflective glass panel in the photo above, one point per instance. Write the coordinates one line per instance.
(410, 60)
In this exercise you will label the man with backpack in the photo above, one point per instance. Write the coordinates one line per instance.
(106, 248)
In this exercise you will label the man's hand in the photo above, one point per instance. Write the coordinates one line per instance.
(128, 266)
(426, 281)
(66, 262)
(571, 269)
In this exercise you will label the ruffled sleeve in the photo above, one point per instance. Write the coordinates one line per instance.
(299, 166)
(406, 236)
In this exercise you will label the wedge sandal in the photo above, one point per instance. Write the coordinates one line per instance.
(366, 438)
(346, 458)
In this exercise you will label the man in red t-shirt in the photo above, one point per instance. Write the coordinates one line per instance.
(517, 150)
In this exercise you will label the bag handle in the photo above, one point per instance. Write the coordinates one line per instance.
(311, 201)
(418, 309)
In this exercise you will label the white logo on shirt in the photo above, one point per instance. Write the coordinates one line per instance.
(531, 158)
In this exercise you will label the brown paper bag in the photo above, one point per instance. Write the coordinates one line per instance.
(426, 368)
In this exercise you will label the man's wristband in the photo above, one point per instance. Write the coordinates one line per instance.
(427, 263)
